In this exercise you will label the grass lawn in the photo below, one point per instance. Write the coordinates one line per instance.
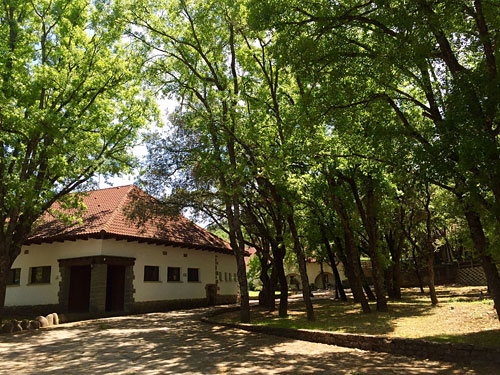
(462, 315)
(255, 293)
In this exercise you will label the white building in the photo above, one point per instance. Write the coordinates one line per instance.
(109, 263)
(319, 274)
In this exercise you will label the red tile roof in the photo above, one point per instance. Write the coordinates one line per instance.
(105, 217)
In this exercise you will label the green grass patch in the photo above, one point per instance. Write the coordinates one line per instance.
(255, 293)
(463, 315)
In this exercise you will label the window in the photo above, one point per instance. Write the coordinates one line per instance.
(235, 278)
(40, 275)
(14, 276)
(151, 273)
(193, 274)
(174, 274)
(220, 276)
(225, 276)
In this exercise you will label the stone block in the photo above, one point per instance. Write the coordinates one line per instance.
(50, 319)
(8, 327)
(25, 324)
(35, 324)
(16, 326)
(43, 321)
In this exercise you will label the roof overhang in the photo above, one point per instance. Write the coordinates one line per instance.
(118, 237)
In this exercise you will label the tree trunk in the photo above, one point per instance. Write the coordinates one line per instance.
(378, 282)
(321, 273)
(266, 291)
(348, 269)
(388, 280)
(430, 270)
(351, 250)
(415, 262)
(393, 276)
(366, 286)
(237, 244)
(357, 272)
(271, 306)
(396, 270)
(370, 224)
(338, 282)
(306, 291)
(5, 265)
(278, 256)
(482, 245)
(352, 257)
(242, 280)
(232, 207)
(278, 245)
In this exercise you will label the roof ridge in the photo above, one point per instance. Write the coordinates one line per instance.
(204, 229)
(108, 188)
(115, 212)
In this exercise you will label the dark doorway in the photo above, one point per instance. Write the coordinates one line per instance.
(211, 290)
(115, 288)
(79, 289)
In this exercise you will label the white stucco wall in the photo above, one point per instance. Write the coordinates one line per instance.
(313, 271)
(145, 255)
(227, 265)
(152, 255)
(45, 255)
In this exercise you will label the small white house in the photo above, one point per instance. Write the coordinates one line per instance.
(109, 263)
(319, 274)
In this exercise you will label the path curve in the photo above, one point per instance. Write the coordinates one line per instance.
(178, 342)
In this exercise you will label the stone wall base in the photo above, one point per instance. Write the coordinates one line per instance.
(418, 348)
(177, 304)
(226, 299)
(30, 311)
(167, 305)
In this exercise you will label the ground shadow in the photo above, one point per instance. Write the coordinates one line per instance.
(177, 342)
(489, 338)
(335, 315)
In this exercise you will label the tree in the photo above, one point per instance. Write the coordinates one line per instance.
(432, 68)
(195, 61)
(71, 104)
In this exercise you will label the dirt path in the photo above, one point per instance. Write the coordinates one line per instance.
(177, 342)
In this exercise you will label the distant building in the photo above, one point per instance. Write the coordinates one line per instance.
(319, 274)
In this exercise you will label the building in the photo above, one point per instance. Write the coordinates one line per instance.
(319, 274)
(108, 263)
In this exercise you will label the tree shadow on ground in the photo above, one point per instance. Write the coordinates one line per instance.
(177, 342)
(335, 315)
(489, 338)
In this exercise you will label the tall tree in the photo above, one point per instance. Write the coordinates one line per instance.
(195, 61)
(432, 68)
(70, 107)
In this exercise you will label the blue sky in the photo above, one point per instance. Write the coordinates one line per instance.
(166, 106)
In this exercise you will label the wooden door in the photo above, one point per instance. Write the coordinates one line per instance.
(79, 289)
(115, 288)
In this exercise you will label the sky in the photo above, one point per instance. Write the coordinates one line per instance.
(166, 107)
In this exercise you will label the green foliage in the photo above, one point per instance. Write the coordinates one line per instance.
(278, 98)
(254, 269)
(71, 104)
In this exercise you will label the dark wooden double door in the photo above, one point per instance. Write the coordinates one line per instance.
(79, 288)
